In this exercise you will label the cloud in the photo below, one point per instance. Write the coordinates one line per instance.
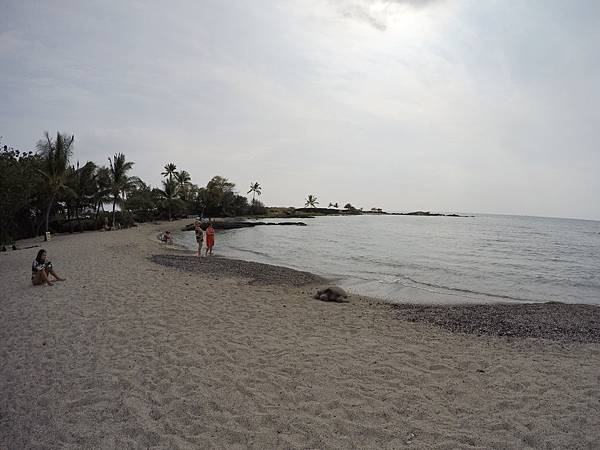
(377, 13)
(457, 106)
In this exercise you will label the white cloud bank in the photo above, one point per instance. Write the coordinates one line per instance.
(442, 105)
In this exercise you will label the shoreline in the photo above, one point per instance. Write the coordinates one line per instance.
(129, 353)
(554, 321)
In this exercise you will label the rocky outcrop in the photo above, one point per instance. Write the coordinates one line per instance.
(230, 225)
(426, 213)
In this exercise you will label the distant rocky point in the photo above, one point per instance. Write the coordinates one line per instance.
(306, 213)
(425, 213)
(233, 224)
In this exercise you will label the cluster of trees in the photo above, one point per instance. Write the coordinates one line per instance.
(311, 201)
(180, 197)
(44, 191)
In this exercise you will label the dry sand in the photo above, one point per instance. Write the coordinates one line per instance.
(128, 353)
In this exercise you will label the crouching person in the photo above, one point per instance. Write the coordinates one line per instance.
(41, 269)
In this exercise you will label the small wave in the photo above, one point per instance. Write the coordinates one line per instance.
(457, 291)
(247, 250)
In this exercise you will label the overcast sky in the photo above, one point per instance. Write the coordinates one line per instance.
(441, 105)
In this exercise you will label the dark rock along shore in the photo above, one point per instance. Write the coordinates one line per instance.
(555, 321)
(256, 272)
(231, 225)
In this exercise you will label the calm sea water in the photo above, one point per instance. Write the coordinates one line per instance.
(482, 259)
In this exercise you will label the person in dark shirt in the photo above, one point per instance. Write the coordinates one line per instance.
(199, 237)
(41, 268)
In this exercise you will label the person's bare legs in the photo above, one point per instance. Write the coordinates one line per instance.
(55, 275)
(41, 277)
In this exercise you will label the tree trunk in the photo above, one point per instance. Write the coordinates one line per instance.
(48, 213)
(113, 211)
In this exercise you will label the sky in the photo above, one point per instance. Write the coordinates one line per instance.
(442, 105)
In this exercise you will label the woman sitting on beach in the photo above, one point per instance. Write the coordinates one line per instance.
(41, 268)
(199, 236)
(210, 239)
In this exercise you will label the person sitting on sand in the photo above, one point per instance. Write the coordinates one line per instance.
(41, 268)
(167, 238)
(210, 239)
(199, 236)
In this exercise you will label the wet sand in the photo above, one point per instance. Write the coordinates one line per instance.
(130, 353)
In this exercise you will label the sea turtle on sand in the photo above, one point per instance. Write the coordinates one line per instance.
(332, 294)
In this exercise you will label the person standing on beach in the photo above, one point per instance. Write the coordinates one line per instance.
(199, 236)
(210, 239)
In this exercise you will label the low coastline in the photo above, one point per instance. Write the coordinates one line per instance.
(553, 321)
(131, 353)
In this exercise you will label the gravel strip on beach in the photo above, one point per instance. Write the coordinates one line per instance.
(258, 273)
(555, 321)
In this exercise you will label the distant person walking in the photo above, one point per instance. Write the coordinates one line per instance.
(199, 236)
(41, 268)
(210, 239)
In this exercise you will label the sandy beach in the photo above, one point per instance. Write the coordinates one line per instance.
(133, 353)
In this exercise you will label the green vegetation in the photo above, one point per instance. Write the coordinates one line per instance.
(55, 157)
(311, 201)
(44, 191)
(256, 189)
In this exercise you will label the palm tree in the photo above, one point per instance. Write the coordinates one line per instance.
(120, 182)
(169, 193)
(170, 170)
(256, 189)
(182, 180)
(311, 201)
(101, 195)
(56, 163)
(83, 185)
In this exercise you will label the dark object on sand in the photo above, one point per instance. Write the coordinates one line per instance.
(332, 294)
(3, 248)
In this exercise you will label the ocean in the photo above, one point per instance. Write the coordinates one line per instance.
(480, 259)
